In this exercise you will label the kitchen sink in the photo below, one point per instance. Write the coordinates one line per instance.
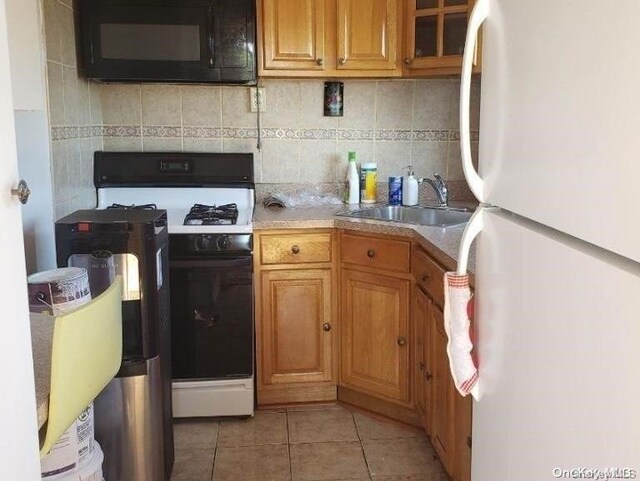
(433, 216)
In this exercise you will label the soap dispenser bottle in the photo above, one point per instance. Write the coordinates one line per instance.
(409, 188)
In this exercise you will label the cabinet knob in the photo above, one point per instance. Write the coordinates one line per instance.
(421, 366)
(428, 376)
(371, 253)
(425, 277)
(407, 61)
(326, 327)
(320, 62)
(342, 61)
(295, 249)
(402, 341)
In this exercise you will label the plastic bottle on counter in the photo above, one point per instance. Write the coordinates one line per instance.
(369, 183)
(353, 181)
(409, 188)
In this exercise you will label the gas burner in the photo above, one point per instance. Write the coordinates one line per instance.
(212, 215)
(133, 207)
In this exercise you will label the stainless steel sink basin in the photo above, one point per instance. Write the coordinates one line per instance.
(434, 216)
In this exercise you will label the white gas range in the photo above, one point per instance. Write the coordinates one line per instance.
(209, 199)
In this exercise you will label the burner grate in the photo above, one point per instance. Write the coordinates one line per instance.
(201, 214)
(133, 206)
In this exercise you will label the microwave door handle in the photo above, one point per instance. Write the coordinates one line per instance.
(212, 30)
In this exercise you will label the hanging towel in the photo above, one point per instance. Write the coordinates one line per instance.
(457, 312)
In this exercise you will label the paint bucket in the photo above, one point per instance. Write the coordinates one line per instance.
(89, 470)
(59, 290)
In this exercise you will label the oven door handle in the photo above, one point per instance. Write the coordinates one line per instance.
(223, 263)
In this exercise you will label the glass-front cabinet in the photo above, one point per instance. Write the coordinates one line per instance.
(435, 36)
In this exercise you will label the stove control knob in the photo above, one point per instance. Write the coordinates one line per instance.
(203, 243)
(223, 242)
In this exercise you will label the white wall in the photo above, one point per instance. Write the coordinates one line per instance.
(26, 52)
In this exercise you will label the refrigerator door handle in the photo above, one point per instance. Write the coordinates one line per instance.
(478, 15)
(471, 231)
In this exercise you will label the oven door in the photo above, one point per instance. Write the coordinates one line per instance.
(212, 318)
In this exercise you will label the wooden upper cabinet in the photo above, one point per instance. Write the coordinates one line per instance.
(435, 33)
(292, 34)
(330, 38)
(296, 331)
(368, 34)
(375, 335)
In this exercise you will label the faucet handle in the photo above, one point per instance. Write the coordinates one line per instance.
(440, 180)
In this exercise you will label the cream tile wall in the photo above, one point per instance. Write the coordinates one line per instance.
(75, 112)
(392, 122)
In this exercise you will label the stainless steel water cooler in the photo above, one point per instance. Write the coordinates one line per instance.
(133, 415)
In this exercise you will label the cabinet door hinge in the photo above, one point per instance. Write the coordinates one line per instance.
(469, 441)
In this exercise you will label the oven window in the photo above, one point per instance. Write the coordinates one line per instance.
(133, 41)
(211, 319)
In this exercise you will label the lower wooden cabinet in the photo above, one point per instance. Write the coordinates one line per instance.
(296, 336)
(442, 392)
(296, 316)
(445, 414)
(368, 319)
(422, 352)
(375, 349)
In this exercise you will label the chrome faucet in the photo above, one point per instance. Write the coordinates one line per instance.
(440, 186)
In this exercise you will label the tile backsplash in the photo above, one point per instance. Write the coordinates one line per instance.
(75, 112)
(392, 122)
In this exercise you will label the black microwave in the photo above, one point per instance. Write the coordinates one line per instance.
(169, 40)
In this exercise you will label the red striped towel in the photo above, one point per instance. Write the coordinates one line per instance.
(458, 308)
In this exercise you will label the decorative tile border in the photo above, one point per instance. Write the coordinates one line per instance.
(161, 131)
(66, 132)
(121, 131)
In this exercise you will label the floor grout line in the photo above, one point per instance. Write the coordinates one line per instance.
(215, 450)
(364, 454)
(286, 417)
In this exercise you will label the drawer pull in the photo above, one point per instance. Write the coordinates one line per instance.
(428, 376)
(371, 253)
(295, 249)
(421, 366)
(425, 278)
(326, 327)
(402, 341)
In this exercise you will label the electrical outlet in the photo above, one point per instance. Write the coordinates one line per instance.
(258, 97)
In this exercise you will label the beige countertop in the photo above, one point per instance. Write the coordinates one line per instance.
(41, 343)
(442, 243)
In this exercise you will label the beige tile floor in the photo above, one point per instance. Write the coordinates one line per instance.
(319, 443)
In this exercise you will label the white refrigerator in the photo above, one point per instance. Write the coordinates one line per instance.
(558, 251)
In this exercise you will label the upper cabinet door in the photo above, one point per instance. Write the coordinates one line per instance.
(293, 34)
(368, 34)
(435, 36)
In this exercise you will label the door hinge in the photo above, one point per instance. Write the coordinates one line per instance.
(469, 441)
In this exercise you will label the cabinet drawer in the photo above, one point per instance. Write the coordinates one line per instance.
(388, 254)
(428, 274)
(295, 248)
